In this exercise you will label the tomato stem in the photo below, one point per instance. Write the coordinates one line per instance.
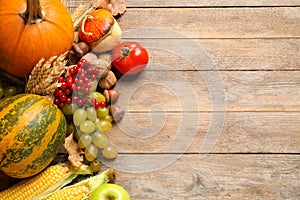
(125, 51)
(33, 13)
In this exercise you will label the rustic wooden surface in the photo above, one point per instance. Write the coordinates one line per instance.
(254, 49)
(215, 115)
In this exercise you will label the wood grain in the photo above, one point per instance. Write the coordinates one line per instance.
(237, 132)
(196, 3)
(223, 54)
(177, 91)
(209, 3)
(223, 80)
(273, 22)
(194, 177)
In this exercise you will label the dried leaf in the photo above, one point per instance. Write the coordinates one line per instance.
(118, 7)
(114, 6)
(74, 151)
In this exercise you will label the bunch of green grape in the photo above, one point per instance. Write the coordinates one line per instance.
(7, 90)
(90, 125)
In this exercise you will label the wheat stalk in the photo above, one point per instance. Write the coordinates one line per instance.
(80, 12)
(43, 77)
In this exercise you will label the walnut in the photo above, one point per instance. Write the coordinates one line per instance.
(106, 57)
(103, 65)
(90, 57)
(109, 81)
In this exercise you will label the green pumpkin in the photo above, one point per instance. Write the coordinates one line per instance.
(32, 130)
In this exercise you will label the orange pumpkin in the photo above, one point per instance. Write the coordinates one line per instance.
(96, 25)
(100, 30)
(31, 30)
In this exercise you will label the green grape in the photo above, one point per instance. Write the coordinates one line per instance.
(110, 152)
(95, 166)
(84, 141)
(67, 109)
(87, 126)
(79, 116)
(103, 125)
(10, 91)
(108, 118)
(98, 96)
(91, 153)
(100, 140)
(1, 92)
(91, 113)
(102, 112)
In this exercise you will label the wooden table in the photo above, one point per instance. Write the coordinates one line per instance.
(216, 113)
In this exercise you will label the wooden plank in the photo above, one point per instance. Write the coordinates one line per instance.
(191, 91)
(223, 54)
(196, 3)
(209, 3)
(245, 132)
(210, 177)
(269, 22)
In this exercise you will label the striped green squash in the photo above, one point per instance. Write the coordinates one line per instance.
(32, 130)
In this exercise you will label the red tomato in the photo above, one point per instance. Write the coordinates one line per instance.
(130, 58)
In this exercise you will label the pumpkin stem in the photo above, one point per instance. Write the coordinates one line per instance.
(33, 13)
(87, 17)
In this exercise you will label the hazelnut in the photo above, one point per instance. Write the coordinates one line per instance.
(116, 112)
(109, 81)
(77, 51)
(111, 95)
(84, 47)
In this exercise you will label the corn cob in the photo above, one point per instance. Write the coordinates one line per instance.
(82, 189)
(50, 179)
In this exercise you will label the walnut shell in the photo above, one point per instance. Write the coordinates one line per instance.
(109, 81)
(103, 65)
(90, 57)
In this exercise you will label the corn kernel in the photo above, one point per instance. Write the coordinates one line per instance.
(35, 185)
(71, 193)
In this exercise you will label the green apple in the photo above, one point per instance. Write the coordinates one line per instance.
(109, 191)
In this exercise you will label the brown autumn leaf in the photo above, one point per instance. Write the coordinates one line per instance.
(74, 151)
(114, 6)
